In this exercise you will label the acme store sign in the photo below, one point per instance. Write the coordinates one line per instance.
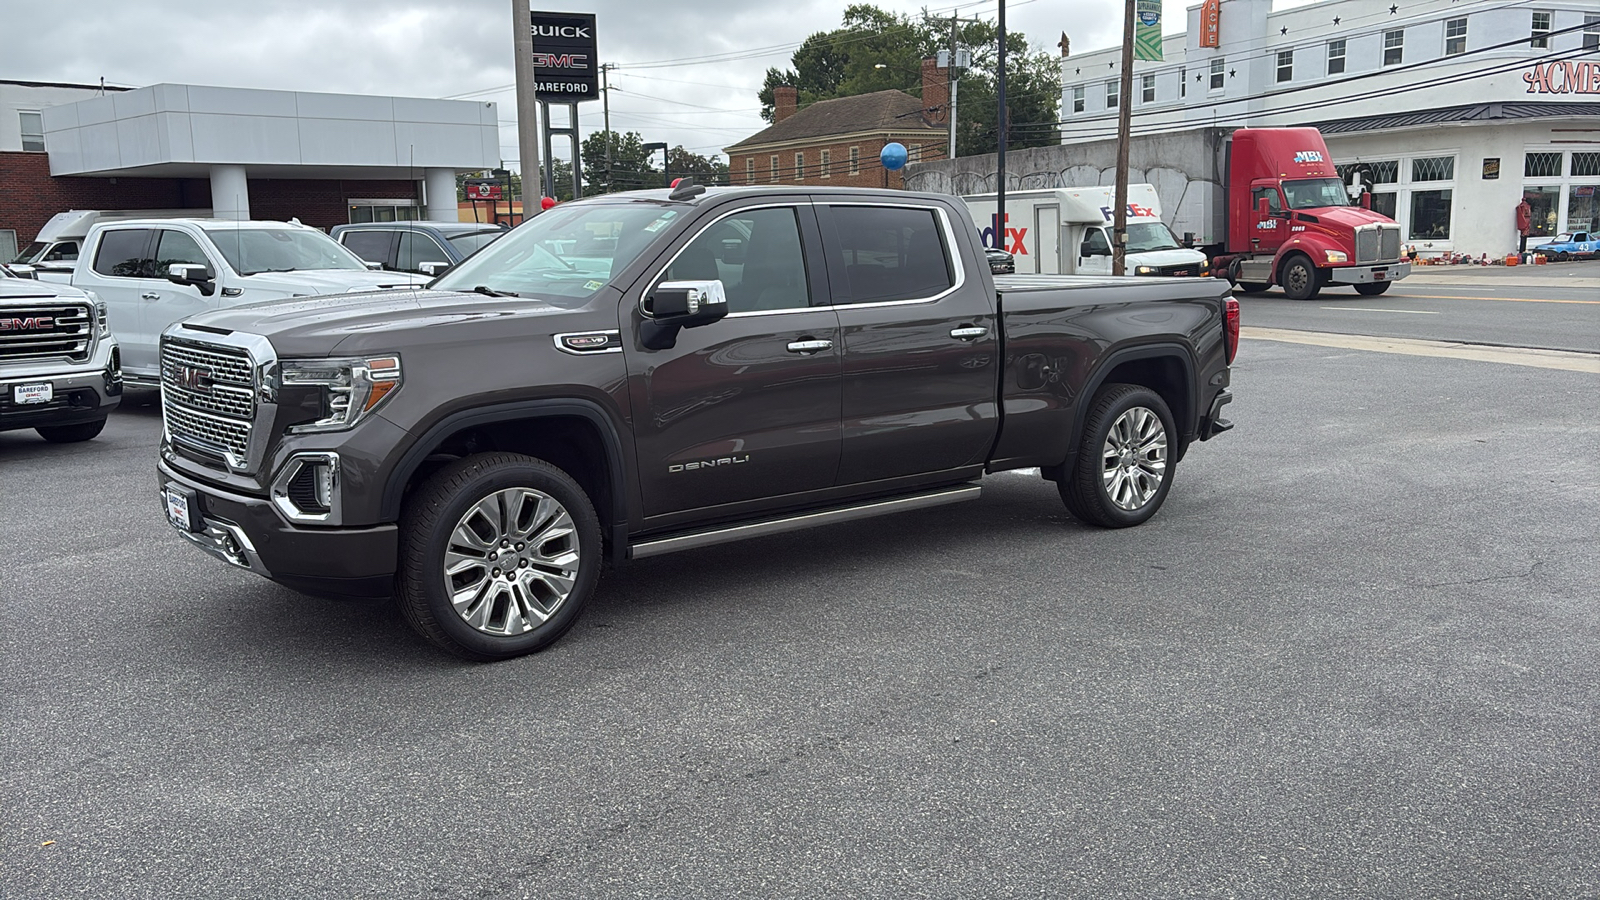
(1563, 77)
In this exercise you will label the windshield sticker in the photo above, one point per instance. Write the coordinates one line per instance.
(661, 222)
(593, 285)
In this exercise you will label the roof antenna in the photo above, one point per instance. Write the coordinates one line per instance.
(102, 85)
(686, 189)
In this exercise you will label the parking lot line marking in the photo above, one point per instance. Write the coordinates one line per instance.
(1564, 360)
(1507, 299)
(1413, 312)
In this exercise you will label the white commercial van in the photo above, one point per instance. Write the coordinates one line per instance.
(1067, 231)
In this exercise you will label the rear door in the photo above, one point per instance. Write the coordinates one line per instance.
(118, 273)
(1047, 243)
(920, 341)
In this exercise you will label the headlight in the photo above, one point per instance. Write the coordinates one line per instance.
(1146, 270)
(351, 388)
(1336, 256)
(102, 316)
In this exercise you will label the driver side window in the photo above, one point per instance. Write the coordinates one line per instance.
(1095, 243)
(757, 255)
(1271, 194)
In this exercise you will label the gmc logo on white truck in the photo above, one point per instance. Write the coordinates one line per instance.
(32, 323)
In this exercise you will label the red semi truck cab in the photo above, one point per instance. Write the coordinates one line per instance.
(1291, 222)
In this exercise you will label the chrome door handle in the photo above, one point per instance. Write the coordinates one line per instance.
(809, 346)
(150, 295)
(969, 333)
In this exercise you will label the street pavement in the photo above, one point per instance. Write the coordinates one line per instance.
(1353, 657)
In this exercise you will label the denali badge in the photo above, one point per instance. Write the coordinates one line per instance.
(709, 463)
(32, 323)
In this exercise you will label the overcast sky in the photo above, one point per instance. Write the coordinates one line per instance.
(461, 49)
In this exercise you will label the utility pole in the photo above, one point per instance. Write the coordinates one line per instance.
(950, 90)
(1000, 157)
(605, 102)
(527, 102)
(1119, 224)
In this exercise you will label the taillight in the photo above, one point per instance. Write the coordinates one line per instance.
(1232, 331)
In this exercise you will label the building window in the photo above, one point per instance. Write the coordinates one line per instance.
(1111, 94)
(1394, 47)
(1455, 37)
(799, 166)
(855, 160)
(1546, 206)
(33, 131)
(1585, 165)
(1077, 98)
(1541, 165)
(914, 153)
(1183, 81)
(1541, 31)
(1147, 89)
(826, 169)
(1591, 32)
(749, 170)
(1285, 65)
(774, 164)
(1583, 210)
(1336, 57)
(1217, 73)
(1433, 168)
(1430, 215)
(382, 210)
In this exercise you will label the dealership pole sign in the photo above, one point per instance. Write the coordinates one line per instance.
(1563, 77)
(565, 59)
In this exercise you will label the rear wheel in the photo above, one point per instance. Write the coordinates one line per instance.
(1299, 278)
(500, 552)
(71, 434)
(1124, 465)
(1372, 288)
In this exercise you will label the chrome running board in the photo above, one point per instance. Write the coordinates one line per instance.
(729, 533)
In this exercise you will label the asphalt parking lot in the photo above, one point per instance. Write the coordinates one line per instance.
(1353, 656)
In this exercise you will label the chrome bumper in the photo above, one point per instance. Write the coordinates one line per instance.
(1369, 274)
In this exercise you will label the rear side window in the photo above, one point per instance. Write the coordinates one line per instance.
(372, 246)
(891, 253)
(123, 254)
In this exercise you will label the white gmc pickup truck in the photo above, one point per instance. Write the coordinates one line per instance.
(154, 272)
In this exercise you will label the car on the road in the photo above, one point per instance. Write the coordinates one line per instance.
(60, 371)
(1000, 262)
(425, 248)
(1574, 245)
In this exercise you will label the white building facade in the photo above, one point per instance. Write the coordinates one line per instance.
(1452, 112)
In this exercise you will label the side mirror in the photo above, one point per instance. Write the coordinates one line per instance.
(374, 266)
(23, 271)
(1366, 200)
(680, 304)
(1263, 207)
(191, 274)
(433, 269)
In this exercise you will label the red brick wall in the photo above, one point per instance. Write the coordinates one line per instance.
(871, 174)
(29, 196)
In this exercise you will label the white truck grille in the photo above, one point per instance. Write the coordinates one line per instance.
(49, 330)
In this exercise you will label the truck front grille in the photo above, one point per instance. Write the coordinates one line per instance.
(208, 399)
(1389, 246)
(30, 331)
(1377, 243)
(1366, 244)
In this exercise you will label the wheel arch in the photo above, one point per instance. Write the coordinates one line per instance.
(1166, 368)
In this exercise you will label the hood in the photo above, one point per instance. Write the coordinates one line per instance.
(1175, 257)
(311, 282)
(375, 321)
(16, 288)
(1346, 216)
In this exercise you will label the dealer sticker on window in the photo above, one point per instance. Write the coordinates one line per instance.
(25, 394)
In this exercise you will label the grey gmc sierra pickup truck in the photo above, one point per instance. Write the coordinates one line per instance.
(641, 373)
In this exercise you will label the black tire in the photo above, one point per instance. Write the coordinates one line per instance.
(1084, 489)
(1253, 287)
(519, 608)
(1299, 278)
(1561, 256)
(1372, 288)
(71, 434)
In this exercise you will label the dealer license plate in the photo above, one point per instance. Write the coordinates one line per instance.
(180, 508)
(25, 394)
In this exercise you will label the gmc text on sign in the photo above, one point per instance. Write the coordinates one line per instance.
(565, 62)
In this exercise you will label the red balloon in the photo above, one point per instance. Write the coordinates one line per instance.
(546, 202)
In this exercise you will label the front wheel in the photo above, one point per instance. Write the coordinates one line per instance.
(1299, 278)
(71, 434)
(1372, 288)
(1124, 466)
(500, 552)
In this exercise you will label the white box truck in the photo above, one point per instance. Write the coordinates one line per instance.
(1067, 231)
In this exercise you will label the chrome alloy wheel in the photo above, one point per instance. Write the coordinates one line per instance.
(1134, 458)
(511, 561)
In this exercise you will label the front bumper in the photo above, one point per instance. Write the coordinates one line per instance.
(248, 532)
(80, 392)
(1369, 274)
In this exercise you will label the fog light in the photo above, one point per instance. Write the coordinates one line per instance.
(323, 475)
(307, 489)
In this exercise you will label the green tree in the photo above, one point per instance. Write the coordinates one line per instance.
(706, 170)
(630, 165)
(876, 50)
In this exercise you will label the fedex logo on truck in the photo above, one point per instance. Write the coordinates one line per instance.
(1309, 156)
(990, 237)
(1135, 211)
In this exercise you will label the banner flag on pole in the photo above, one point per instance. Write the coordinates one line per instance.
(1147, 30)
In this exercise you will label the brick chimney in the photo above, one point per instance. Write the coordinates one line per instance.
(935, 92)
(785, 103)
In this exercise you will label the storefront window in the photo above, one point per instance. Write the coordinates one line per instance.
(1541, 165)
(1430, 215)
(1384, 203)
(1585, 165)
(1433, 168)
(1583, 213)
(1546, 203)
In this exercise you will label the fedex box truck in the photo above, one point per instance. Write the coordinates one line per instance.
(1067, 231)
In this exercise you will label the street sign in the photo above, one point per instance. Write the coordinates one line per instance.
(566, 65)
(483, 189)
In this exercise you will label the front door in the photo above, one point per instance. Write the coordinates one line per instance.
(746, 409)
(1270, 229)
(1047, 231)
(1094, 252)
(166, 302)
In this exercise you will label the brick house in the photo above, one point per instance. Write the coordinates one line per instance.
(837, 142)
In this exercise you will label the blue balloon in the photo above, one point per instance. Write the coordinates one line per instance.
(894, 156)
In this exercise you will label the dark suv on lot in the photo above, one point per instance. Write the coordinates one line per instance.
(426, 248)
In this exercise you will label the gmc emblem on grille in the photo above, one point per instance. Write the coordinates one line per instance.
(194, 378)
(33, 323)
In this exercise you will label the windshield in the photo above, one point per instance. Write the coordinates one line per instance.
(251, 251)
(33, 249)
(469, 243)
(1146, 236)
(1312, 193)
(569, 251)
